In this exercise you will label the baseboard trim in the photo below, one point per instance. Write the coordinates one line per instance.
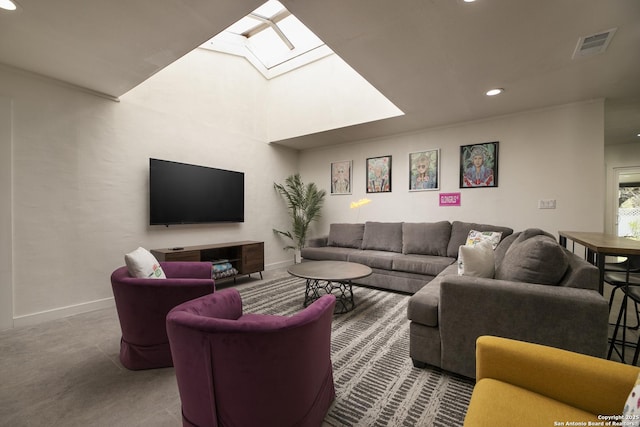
(278, 265)
(62, 312)
(71, 310)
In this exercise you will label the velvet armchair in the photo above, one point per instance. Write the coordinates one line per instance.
(524, 384)
(236, 369)
(143, 304)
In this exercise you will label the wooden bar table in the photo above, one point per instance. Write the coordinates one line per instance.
(599, 246)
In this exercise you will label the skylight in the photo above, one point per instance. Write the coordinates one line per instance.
(272, 39)
(8, 5)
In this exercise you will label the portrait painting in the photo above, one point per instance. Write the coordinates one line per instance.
(424, 170)
(479, 165)
(379, 174)
(341, 177)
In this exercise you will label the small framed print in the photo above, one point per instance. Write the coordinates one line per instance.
(479, 165)
(424, 170)
(341, 177)
(379, 174)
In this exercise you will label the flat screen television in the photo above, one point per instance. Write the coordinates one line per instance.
(181, 193)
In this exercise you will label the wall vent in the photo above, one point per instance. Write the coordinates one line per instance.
(593, 44)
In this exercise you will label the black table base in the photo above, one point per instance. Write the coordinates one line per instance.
(342, 290)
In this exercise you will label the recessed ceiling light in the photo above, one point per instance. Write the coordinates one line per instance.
(469, 1)
(494, 92)
(8, 5)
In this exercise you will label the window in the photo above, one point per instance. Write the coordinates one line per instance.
(272, 39)
(629, 205)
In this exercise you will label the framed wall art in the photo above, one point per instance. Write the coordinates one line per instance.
(379, 174)
(424, 170)
(479, 165)
(341, 177)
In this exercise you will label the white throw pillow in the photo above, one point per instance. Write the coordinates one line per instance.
(476, 237)
(143, 265)
(477, 260)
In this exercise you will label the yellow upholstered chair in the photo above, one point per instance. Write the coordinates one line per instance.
(523, 384)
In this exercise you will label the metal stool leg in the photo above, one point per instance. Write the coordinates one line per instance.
(615, 331)
(636, 353)
(613, 292)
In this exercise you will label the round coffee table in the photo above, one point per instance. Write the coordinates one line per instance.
(330, 277)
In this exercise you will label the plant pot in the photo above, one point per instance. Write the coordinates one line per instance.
(297, 256)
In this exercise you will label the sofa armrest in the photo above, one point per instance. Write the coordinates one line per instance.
(592, 384)
(570, 318)
(317, 242)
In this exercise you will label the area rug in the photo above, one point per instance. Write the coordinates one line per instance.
(376, 383)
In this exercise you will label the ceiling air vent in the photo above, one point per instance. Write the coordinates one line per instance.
(593, 44)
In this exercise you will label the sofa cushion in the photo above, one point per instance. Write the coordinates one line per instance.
(423, 305)
(580, 273)
(317, 241)
(383, 236)
(426, 238)
(534, 257)
(498, 403)
(519, 236)
(504, 246)
(531, 232)
(477, 260)
(460, 232)
(346, 235)
(328, 253)
(429, 265)
(374, 259)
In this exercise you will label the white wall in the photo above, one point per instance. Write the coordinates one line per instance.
(80, 168)
(326, 94)
(617, 156)
(555, 153)
(6, 237)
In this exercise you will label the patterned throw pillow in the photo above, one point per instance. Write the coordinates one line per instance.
(143, 265)
(476, 237)
(631, 411)
(221, 266)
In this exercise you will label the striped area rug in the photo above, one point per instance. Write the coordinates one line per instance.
(376, 383)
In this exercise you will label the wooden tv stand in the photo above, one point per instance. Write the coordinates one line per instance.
(246, 256)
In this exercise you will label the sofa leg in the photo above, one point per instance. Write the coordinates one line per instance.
(418, 364)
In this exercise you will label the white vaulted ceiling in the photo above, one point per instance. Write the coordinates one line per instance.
(109, 46)
(433, 59)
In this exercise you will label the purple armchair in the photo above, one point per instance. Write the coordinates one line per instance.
(143, 304)
(236, 369)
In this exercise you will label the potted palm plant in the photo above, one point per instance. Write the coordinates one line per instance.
(304, 203)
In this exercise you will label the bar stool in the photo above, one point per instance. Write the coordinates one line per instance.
(613, 276)
(619, 281)
(629, 283)
(629, 265)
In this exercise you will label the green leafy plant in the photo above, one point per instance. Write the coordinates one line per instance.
(304, 203)
(635, 228)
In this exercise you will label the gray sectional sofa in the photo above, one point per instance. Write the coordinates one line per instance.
(403, 256)
(539, 292)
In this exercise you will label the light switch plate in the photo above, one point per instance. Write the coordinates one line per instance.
(547, 204)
